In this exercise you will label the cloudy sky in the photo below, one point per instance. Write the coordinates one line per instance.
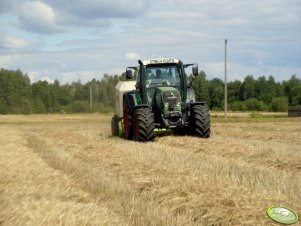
(83, 39)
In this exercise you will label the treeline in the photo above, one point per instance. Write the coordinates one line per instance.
(262, 94)
(19, 96)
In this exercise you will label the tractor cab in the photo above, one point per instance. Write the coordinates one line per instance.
(159, 78)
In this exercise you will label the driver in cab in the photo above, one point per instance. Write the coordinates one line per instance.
(158, 74)
(157, 80)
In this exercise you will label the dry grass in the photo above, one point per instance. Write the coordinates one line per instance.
(34, 193)
(66, 169)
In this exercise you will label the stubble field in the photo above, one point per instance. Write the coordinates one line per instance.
(68, 170)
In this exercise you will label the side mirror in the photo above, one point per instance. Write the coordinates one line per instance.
(129, 74)
(195, 70)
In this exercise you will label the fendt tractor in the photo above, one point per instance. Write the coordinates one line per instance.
(160, 100)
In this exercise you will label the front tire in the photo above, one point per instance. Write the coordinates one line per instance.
(143, 124)
(200, 119)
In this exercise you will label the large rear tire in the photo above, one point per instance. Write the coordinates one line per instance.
(200, 121)
(127, 121)
(115, 126)
(143, 125)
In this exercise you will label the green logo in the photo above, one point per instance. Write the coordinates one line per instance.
(282, 215)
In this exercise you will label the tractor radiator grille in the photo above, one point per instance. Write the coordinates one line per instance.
(172, 99)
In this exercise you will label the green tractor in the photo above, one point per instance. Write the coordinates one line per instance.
(160, 101)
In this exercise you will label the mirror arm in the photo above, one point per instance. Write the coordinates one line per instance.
(187, 65)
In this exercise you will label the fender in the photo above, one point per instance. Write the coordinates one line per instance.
(134, 100)
(197, 103)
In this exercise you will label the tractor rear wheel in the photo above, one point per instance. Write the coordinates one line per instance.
(127, 121)
(144, 125)
(115, 126)
(200, 121)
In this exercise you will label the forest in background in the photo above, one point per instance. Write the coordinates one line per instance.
(19, 96)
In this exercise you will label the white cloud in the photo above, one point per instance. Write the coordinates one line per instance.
(131, 56)
(100, 8)
(12, 43)
(37, 16)
(54, 16)
(33, 76)
(83, 76)
(9, 61)
(213, 69)
(47, 79)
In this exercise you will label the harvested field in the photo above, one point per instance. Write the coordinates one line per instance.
(68, 170)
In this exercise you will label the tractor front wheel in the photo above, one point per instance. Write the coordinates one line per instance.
(144, 125)
(200, 121)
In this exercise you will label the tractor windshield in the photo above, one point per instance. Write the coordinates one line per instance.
(162, 75)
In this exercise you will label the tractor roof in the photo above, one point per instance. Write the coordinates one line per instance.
(160, 61)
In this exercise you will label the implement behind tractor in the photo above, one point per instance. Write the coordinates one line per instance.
(159, 100)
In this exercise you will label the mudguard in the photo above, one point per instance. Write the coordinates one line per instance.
(133, 99)
(197, 103)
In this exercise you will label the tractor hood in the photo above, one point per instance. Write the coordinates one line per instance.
(168, 99)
